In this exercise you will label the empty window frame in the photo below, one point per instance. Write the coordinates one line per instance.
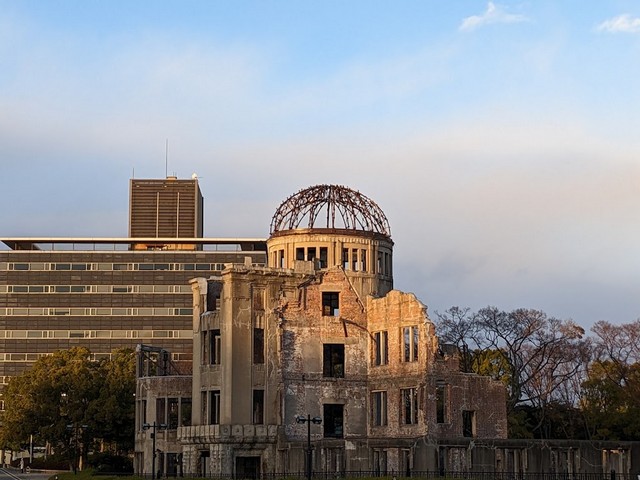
(442, 400)
(214, 407)
(214, 292)
(172, 413)
(333, 420)
(410, 344)
(468, 423)
(331, 304)
(258, 407)
(408, 406)
(381, 348)
(379, 462)
(300, 253)
(143, 413)
(258, 345)
(333, 360)
(161, 411)
(311, 254)
(406, 462)
(379, 408)
(324, 257)
(215, 347)
(185, 411)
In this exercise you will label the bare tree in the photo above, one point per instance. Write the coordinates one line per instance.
(543, 355)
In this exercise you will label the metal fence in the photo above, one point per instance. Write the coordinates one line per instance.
(429, 475)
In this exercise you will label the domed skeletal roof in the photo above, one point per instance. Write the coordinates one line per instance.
(330, 206)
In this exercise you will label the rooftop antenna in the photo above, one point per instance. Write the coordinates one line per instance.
(166, 159)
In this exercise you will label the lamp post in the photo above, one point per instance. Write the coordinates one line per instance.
(154, 426)
(75, 428)
(308, 420)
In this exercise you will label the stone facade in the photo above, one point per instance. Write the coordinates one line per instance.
(321, 334)
(374, 374)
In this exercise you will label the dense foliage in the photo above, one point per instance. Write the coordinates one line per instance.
(560, 382)
(73, 404)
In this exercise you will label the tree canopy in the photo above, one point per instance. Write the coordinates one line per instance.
(67, 400)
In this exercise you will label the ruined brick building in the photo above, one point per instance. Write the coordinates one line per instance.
(316, 348)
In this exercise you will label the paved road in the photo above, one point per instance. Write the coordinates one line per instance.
(14, 474)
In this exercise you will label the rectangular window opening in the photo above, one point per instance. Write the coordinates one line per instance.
(185, 411)
(258, 407)
(381, 345)
(441, 404)
(214, 407)
(409, 406)
(331, 304)
(214, 291)
(333, 360)
(215, 347)
(379, 402)
(311, 254)
(258, 346)
(410, 344)
(468, 423)
(172, 413)
(161, 413)
(333, 420)
(324, 257)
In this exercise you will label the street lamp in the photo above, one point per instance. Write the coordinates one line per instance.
(308, 420)
(75, 428)
(154, 426)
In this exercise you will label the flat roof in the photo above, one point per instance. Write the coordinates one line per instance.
(37, 243)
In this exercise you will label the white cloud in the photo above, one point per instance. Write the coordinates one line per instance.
(624, 23)
(493, 14)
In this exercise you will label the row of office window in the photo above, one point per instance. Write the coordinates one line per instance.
(117, 334)
(95, 289)
(106, 267)
(93, 311)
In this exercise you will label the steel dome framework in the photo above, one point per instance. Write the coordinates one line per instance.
(330, 206)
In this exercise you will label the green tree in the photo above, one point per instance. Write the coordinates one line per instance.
(611, 393)
(50, 401)
(113, 411)
(66, 400)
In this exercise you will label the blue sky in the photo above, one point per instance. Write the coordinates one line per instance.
(500, 138)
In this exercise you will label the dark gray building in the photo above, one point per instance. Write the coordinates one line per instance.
(108, 293)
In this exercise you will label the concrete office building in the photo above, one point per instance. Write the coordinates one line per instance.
(108, 293)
